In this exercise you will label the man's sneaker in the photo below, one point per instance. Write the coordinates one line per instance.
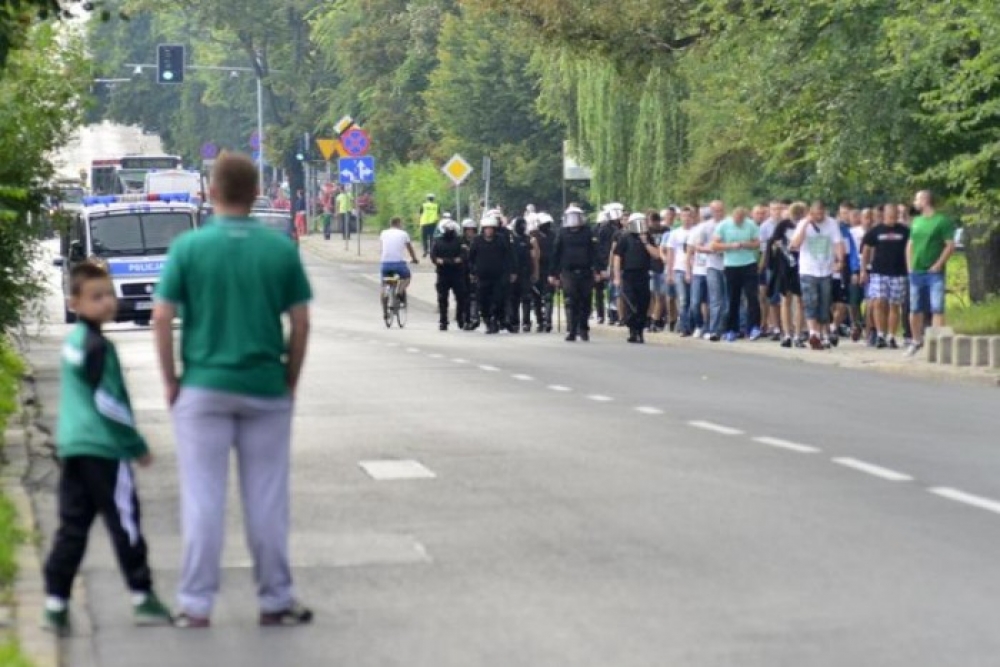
(787, 343)
(833, 340)
(715, 338)
(799, 343)
(56, 621)
(188, 622)
(294, 615)
(585, 336)
(872, 338)
(880, 343)
(151, 612)
(776, 335)
(827, 343)
(913, 349)
(815, 342)
(754, 334)
(856, 334)
(731, 337)
(685, 334)
(893, 345)
(698, 333)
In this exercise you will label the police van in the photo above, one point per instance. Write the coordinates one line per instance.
(128, 235)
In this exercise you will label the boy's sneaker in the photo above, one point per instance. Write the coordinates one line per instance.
(56, 621)
(187, 622)
(151, 612)
(294, 615)
(881, 344)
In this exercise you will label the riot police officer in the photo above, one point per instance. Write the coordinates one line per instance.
(542, 292)
(574, 265)
(634, 253)
(470, 306)
(526, 268)
(450, 256)
(608, 229)
(493, 269)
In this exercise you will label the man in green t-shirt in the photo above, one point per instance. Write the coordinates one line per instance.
(932, 240)
(738, 239)
(345, 209)
(231, 282)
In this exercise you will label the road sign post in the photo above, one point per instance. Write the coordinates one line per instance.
(457, 169)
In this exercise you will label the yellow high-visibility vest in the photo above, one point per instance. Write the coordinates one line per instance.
(430, 213)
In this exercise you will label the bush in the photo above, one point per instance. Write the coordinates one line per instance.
(403, 187)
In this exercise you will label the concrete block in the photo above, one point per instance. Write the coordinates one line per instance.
(938, 332)
(995, 352)
(932, 349)
(962, 351)
(980, 351)
(946, 346)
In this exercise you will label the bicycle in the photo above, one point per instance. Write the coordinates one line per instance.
(392, 306)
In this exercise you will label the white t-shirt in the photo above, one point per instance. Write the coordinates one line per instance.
(700, 234)
(394, 245)
(818, 250)
(766, 232)
(706, 230)
(858, 232)
(676, 242)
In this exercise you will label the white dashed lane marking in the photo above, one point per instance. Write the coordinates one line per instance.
(522, 378)
(559, 388)
(489, 369)
(387, 470)
(785, 444)
(460, 361)
(599, 398)
(435, 355)
(872, 469)
(967, 498)
(413, 350)
(715, 428)
(647, 410)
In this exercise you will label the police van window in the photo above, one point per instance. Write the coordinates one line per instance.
(137, 234)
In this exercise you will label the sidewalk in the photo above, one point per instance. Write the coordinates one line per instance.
(848, 355)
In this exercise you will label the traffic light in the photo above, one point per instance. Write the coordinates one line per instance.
(170, 63)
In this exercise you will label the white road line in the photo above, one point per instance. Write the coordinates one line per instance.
(388, 470)
(715, 428)
(600, 398)
(559, 387)
(872, 469)
(392, 344)
(435, 355)
(488, 369)
(785, 444)
(647, 410)
(460, 361)
(413, 350)
(522, 378)
(967, 498)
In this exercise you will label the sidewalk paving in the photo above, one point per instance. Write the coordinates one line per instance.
(848, 355)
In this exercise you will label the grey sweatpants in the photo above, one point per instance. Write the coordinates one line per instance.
(207, 425)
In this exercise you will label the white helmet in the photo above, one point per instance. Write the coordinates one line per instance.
(573, 217)
(544, 219)
(602, 216)
(489, 221)
(530, 210)
(449, 225)
(637, 223)
(615, 212)
(446, 214)
(532, 219)
(469, 223)
(430, 196)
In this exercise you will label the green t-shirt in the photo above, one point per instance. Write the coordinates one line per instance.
(929, 236)
(232, 281)
(729, 232)
(95, 414)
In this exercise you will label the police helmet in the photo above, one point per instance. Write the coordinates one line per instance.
(544, 219)
(449, 226)
(615, 211)
(637, 223)
(573, 217)
(489, 221)
(469, 223)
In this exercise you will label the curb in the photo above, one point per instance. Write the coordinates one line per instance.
(40, 647)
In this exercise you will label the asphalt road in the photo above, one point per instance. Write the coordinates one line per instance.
(591, 504)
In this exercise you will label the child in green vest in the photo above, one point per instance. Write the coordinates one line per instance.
(97, 440)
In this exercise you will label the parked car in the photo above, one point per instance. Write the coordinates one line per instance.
(278, 220)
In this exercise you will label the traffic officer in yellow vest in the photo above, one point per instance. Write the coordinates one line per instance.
(430, 215)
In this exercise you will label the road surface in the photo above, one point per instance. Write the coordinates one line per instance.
(590, 504)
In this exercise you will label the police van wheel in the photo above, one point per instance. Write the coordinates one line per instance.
(69, 317)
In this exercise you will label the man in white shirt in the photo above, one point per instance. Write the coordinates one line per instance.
(393, 243)
(714, 276)
(767, 219)
(821, 254)
(673, 249)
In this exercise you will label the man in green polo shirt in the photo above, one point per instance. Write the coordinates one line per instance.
(932, 241)
(738, 239)
(232, 281)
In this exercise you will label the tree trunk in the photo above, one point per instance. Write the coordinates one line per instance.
(982, 247)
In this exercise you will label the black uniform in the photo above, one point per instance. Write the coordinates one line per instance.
(450, 257)
(470, 307)
(606, 233)
(492, 266)
(543, 292)
(504, 234)
(519, 295)
(574, 261)
(635, 262)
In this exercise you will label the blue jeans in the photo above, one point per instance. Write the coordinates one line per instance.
(817, 298)
(716, 300)
(927, 291)
(683, 291)
(698, 296)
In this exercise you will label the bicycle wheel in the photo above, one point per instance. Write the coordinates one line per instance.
(400, 313)
(387, 297)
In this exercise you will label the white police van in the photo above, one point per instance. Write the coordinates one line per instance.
(128, 235)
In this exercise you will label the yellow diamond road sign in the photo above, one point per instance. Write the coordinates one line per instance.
(457, 169)
(327, 147)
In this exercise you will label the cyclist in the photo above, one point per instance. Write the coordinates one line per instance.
(394, 241)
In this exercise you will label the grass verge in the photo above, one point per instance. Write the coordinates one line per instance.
(970, 319)
(11, 535)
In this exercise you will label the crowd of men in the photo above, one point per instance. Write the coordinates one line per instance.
(785, 271)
